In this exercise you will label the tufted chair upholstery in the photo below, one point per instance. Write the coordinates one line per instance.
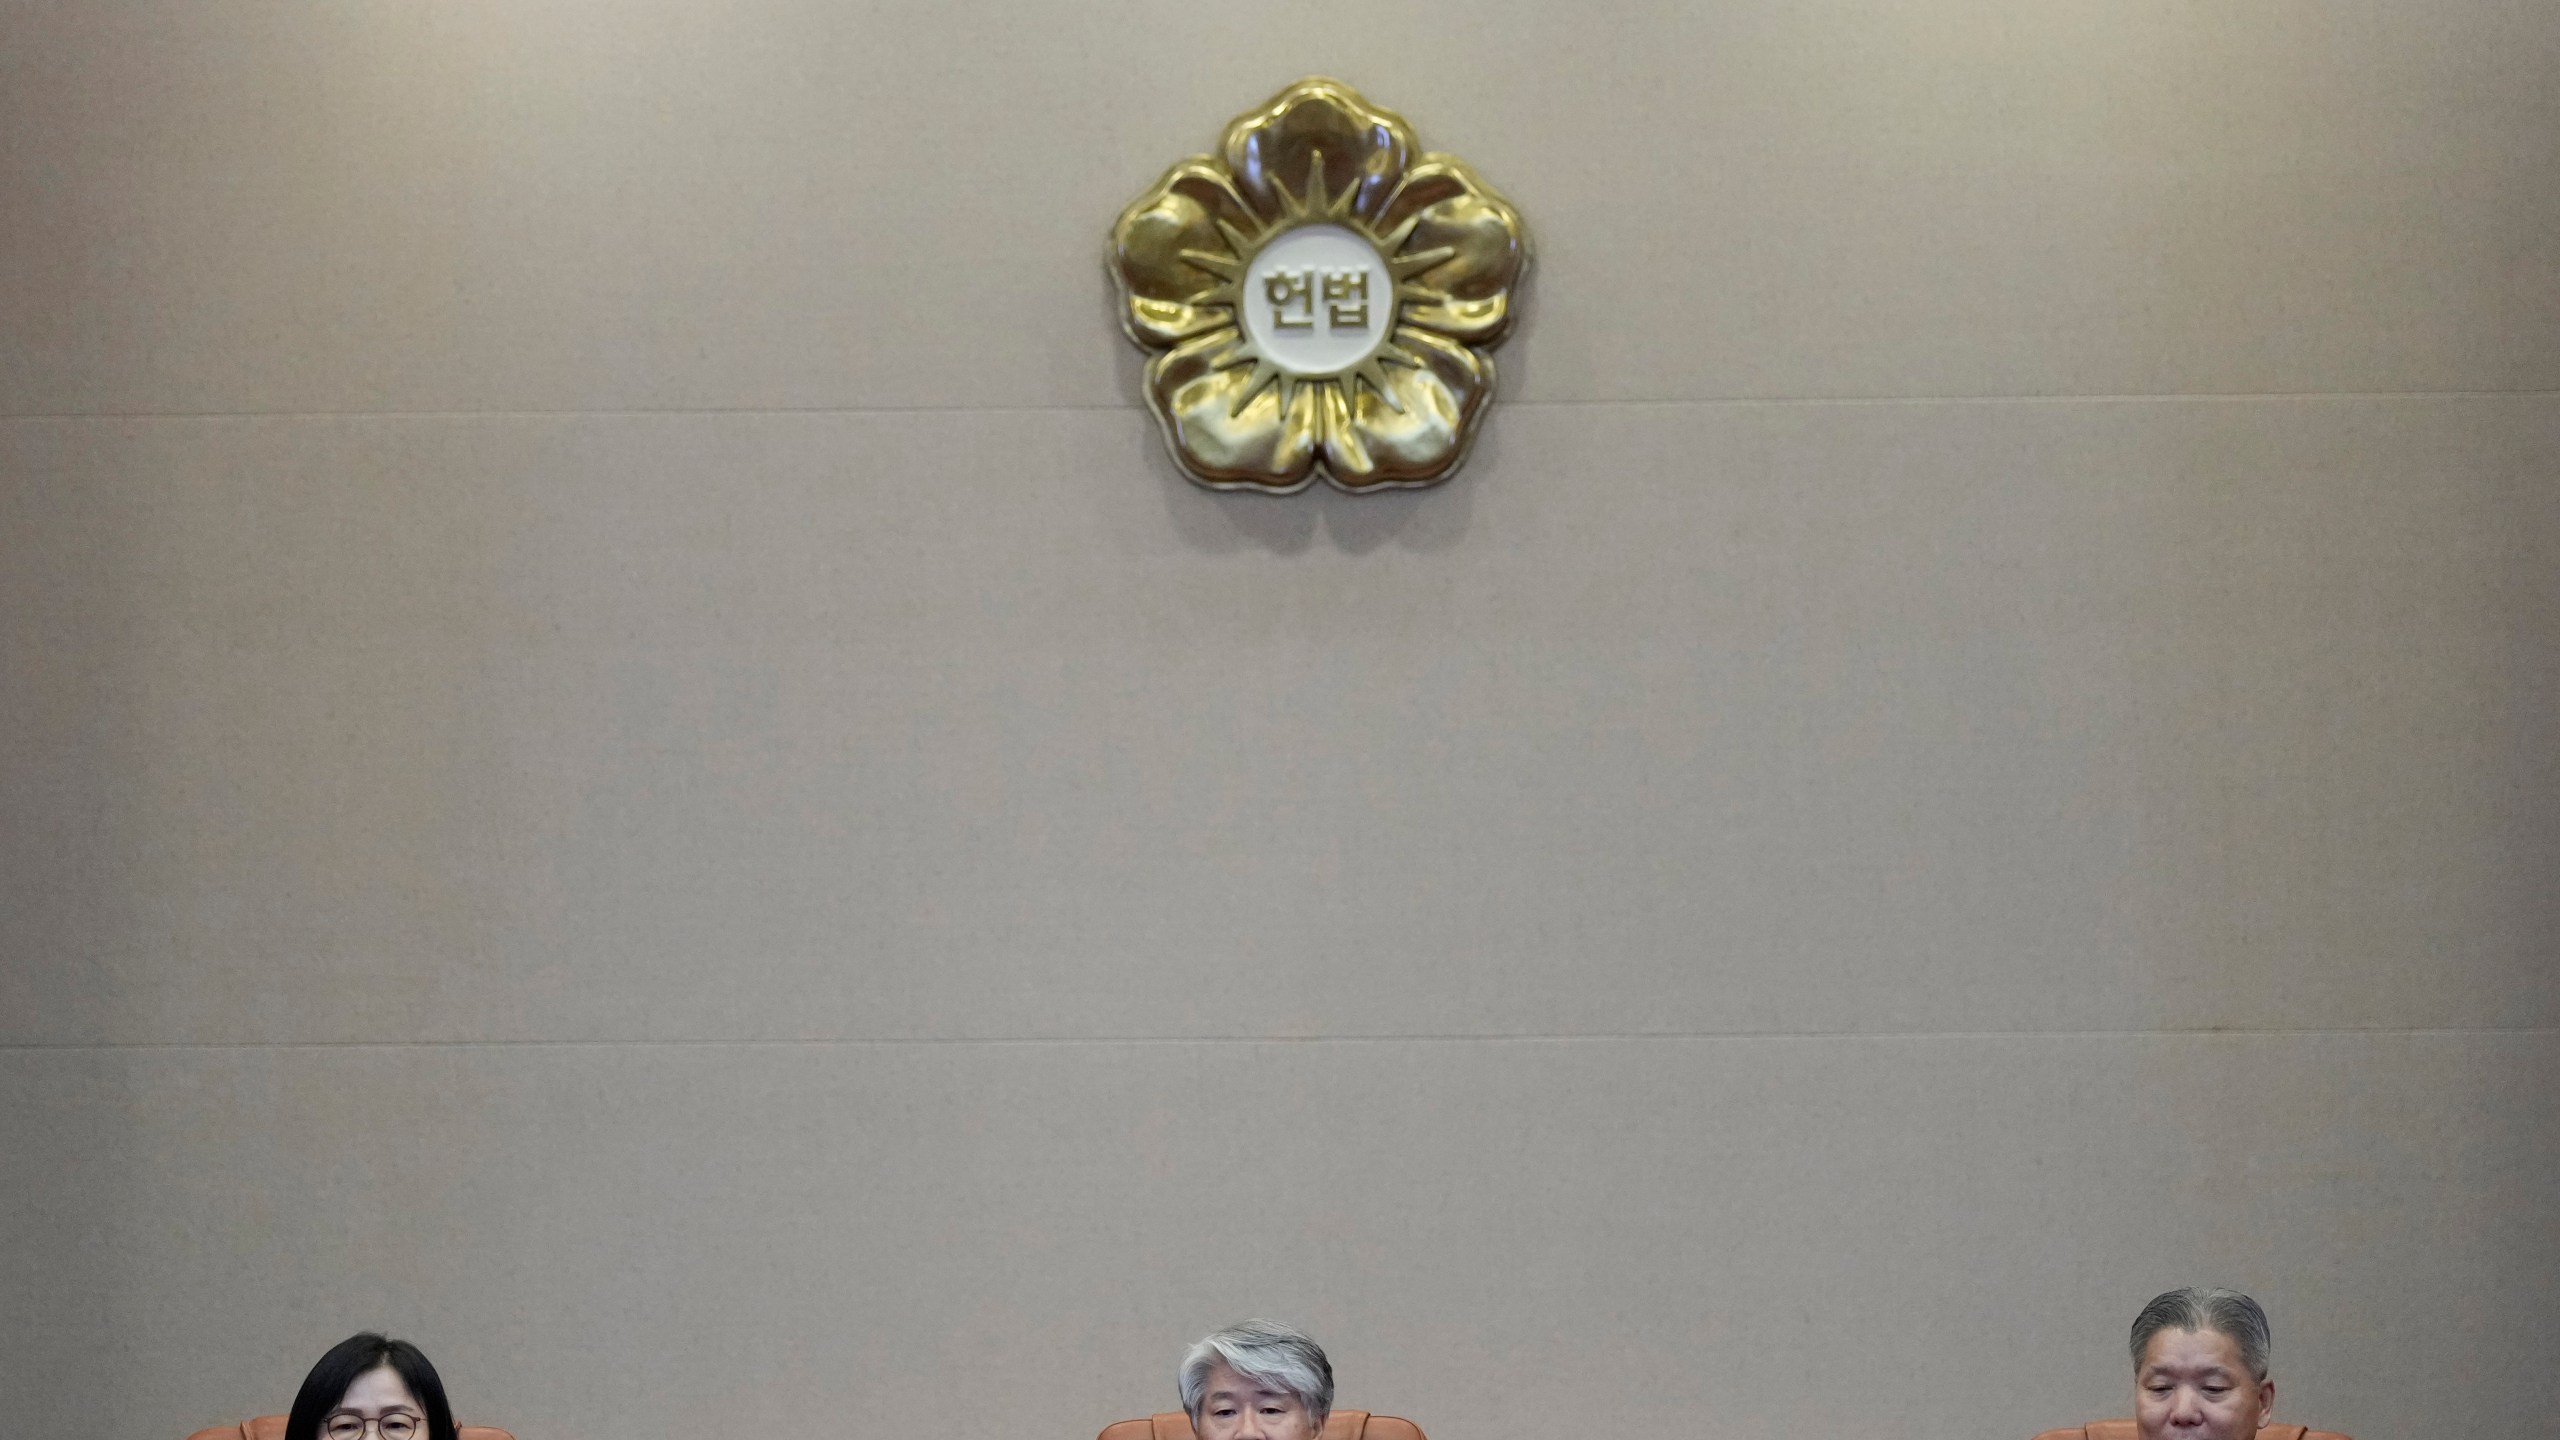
(2123, 1430)
(1340, 1425)
(271, 1427)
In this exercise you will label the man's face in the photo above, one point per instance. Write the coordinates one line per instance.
(2192, 1386)
(1234, 1408)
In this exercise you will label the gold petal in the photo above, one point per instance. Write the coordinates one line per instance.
(1268, 444)
(1468, 294)
(1272, 149)
(1370, 444)
(1169, 293)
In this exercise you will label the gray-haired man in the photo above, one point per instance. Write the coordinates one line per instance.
(2200, 1366)
(1256, 1381)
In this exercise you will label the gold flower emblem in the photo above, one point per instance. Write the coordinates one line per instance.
(1320, 296)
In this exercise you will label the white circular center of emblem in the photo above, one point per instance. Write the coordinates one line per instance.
(1317, 300)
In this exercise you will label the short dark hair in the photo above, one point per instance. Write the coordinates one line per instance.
(2199, 1308)
(362, 1354)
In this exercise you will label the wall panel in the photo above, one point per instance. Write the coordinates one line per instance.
(1670, 718)
(484, 204)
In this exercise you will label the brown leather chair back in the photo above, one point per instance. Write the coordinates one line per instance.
(2124, 1430)
(271, 1427)
(1340, 1425)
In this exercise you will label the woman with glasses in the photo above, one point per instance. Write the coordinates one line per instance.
(367, 1386)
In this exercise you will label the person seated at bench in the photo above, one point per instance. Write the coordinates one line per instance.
(369, 1386)
(2200, 1366)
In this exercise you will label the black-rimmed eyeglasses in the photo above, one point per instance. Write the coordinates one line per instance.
(394, 1425)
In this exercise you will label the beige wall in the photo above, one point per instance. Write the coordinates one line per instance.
(620, 751)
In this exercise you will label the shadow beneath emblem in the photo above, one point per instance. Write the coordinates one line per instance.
(1218, 521)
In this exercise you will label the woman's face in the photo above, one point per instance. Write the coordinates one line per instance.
(379, 1401)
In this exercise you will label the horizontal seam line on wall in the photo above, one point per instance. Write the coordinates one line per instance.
(1414, 1038)
(1662, 402)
